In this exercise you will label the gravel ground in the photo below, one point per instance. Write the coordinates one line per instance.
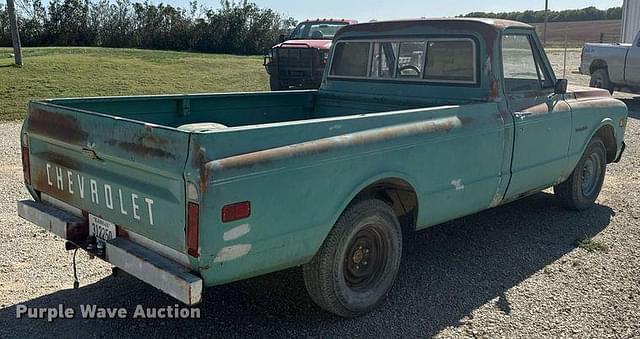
(520, 270)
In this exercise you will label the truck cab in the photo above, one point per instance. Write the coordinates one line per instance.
(299, 61)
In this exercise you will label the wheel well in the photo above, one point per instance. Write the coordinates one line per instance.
(398, 194)
(597, 64)
(605, 133)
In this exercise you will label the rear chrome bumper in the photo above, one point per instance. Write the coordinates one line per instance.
(140, 262)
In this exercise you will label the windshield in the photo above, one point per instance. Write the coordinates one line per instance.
(317, 30)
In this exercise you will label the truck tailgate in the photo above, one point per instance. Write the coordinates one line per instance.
(126, 172)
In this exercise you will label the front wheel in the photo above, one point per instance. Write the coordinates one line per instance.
(358, 262)
(583, 186)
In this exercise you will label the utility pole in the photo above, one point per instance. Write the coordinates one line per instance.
(15, 36)
(546, 20)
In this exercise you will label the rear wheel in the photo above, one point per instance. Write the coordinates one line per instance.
(583, 186)
(600, 79)
(358, 262)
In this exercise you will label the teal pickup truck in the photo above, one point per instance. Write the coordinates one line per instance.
(416, 123)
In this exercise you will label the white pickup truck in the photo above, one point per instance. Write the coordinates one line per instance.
(612, 66)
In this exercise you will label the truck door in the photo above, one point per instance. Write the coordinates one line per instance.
(632, 64)
(542, 121)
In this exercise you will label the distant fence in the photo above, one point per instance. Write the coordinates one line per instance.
(577, 33)
(609, 37)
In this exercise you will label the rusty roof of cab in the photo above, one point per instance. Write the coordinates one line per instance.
(433, 23)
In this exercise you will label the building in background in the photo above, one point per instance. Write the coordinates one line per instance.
(630, 20)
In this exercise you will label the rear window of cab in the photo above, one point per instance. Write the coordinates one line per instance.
(427, 60)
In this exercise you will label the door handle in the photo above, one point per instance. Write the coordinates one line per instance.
(522, 115)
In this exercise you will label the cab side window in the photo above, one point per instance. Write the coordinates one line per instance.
(452, 61)
(350, 59)
(411, 59)
(385, 55)
(520, 67)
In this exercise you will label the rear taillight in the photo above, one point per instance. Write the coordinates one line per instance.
(26, 165)
(236, 211)
(193, 225)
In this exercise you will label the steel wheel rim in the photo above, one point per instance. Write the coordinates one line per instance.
(365, 259)
(591, 171)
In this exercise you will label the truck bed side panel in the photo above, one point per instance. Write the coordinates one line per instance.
(452, 156)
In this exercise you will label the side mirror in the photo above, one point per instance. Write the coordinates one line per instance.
(561, 86)
(282, 38)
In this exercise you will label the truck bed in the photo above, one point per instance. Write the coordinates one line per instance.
(240, 109)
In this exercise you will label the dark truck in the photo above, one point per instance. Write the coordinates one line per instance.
(298, 62)
(416, 123)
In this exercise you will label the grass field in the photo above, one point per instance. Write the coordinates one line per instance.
(70, 72)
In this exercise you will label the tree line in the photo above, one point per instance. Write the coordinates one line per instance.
(584, 14)
(237, 28)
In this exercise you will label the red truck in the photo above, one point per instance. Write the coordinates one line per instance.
(298, 62)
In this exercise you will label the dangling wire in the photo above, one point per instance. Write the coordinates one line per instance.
(76, 283)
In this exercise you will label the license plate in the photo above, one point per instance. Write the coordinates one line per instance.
(101, 229)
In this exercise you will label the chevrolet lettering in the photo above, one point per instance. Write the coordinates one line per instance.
(132, 204)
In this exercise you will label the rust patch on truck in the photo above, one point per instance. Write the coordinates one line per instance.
(40, 183)
(62, 160)
(593, 103)
(151, 138)
(341, 141)
(39, 175)
(146, 144)
(200, 162)
(581, 93)
(56, 126)
(494, 92)
(140, 148)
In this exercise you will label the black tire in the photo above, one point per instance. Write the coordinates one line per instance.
(581, 189)
(358, 262)
(600, 79)
(274, 83)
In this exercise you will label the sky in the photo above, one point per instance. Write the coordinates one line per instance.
(365, 10)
